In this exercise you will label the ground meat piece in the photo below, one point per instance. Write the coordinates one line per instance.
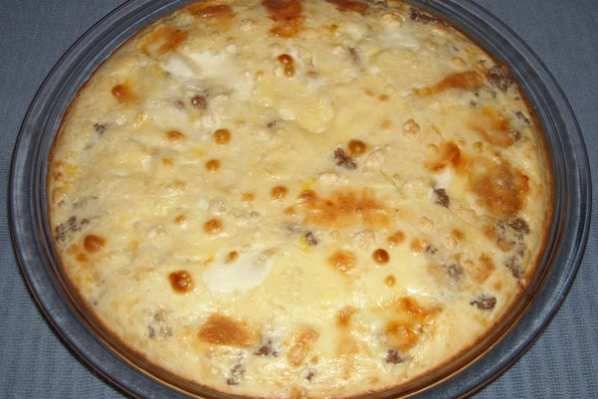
(310, 375)
(236, 374)
(506, 238)
(99, 128)
(267, 349)
(159, 331)
(441, 197)
(199, 102)
(500, 77)
(484, 302)
(311, 239)
(422, 16)
(513, 263)
(515, 134)
(393, 357)
(354, 56)
(273, 124)
(520, 226)
(455, 271)
(523, 118)
(158, 326)
(431, 250)
(343, 160)
(72, 225)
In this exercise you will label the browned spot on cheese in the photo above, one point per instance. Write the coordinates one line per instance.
(332, 28)
(279, 192)
(221, 136)
(179, 184)
(298, 393)
(174, 135)
(401, 335)
(350, 5)
(308, 196)
(167, 161)
(212, 226)
(287, 17)
(449, 154)
(181, 281)
(490, 232)
(343, 261)
(357, 148)
(212, 165)
(222, 330)
(232, 256)
(77, 253)
(343, 209)
(290, 210)
(500, 188)
(93, 243)
(81, 258)
(123, 93)
(493, 127)
(73, 249)
(180, 219)
(287, 63)
(414, 309)
(411, 317)
(481, 270)
(209, 11)
(469, 80)
(383, 97)
(248, 197)
(390, 280)
(457, 234)
(301, 346)
(164, 40)
(343, 317)
(381, 256)
(418, 245)
(396, 238)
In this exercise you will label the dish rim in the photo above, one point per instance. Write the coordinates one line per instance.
(26, 227)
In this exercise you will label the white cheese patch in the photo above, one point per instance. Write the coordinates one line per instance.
(248, 271)
(399, 38)
(178, 66)
(444, 178)
(223, 69)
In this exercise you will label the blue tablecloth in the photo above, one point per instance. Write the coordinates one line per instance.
(34, 363)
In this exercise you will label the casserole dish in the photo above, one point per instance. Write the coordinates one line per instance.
(54, 116)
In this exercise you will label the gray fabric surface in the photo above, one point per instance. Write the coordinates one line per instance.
(35, 364)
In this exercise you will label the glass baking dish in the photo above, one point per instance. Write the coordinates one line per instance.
(469, 372)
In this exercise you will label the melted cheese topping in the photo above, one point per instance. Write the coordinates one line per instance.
(295, 198)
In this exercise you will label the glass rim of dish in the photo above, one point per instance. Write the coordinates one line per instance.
(470, 371)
